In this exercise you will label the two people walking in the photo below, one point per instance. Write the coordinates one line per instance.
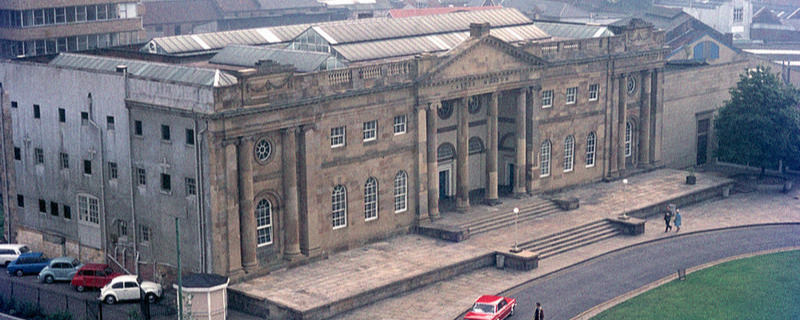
(668, 219)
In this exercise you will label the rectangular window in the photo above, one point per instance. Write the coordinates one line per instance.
(54, 208)
(20, 201)
(122, 228)
(191, 187)
(145, 233)
(67, 212)
(62, 115)
(400, 124)
(36, 112)
(38, 155)
(141, 177)
(547, 98)
(337, 137)
(190, 137)
(738, 14)
(370, 130)
(165, 132)
(17, 153)
(64, 159)
(110, 123)
(87, 167)
(113, 172)
(166, 182)
(42, 206)
(594, 92)
(84, 118)
(137, 128)
(572, 94)
(88, 209)
(14, 104)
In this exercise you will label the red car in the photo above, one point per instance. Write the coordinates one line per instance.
(492, 308)
(93, 275)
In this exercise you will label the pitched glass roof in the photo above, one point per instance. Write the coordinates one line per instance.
(573, 31)
(247, 56)
(218, 40)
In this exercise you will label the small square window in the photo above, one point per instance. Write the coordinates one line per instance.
(14, 104)
(54, 208)
(123, 228)
(191, 187)
(17, 153)
(36, 112)
(87, 167)
(67, 212)
(166, 182)
(137, 127)
(165, 132)
(62, 115)
(113, 172)
(337, 137)
(64, 159)
(400, 124)
(141, 177)
(190, 137)
(42, 206)
(572, 94)
(370, 130)
(593, 92)
(145, 233)
(38, 155)
(84, 118)
(547, 98)
(110, 123)
(20, 201)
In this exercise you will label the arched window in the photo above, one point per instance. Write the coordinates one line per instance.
(446, 151)
(371, 199)
(569, 153)
(591, 141)
(544, 159)
(339, 207)
(475, 145)
(628, 138)
(264, 222)
(400, 192)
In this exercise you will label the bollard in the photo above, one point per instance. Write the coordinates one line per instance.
(681, 274)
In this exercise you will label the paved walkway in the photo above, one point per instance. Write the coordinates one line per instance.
(354, 271)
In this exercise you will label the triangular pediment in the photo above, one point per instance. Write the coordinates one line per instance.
(483, 55)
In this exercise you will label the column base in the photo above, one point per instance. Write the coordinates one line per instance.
(435, 216)
(520, 195)
(236, 274)
(493, 202)
(250, 267)
(292, 256)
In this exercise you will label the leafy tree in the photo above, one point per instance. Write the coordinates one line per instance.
(760, 124)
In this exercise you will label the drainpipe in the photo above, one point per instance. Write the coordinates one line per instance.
(124, 70)
(104, 231)
(6, 188)
(201, 227)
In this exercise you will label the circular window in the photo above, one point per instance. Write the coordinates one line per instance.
(263, 149)
(446, 110)
(474, 104)
(631, 85)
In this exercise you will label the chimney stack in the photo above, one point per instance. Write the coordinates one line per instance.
(477, 30)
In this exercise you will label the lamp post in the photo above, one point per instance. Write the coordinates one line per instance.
(624, 200)
(516, 230)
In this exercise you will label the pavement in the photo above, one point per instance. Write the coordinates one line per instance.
(348, 273)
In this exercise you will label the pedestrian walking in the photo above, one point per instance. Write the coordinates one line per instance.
(667, 219)
(538, 314)
(677, 220)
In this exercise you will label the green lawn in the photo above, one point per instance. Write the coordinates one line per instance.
(761, 287)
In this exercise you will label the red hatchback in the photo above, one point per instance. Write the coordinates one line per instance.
(93, 275)
(491, 308)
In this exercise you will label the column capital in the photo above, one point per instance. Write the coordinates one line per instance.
(291, 130)
(309, 127)
(232, 141)
(433, 106)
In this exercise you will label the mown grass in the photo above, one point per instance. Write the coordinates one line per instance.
(761, 287)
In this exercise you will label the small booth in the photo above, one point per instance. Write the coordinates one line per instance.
(205, 296)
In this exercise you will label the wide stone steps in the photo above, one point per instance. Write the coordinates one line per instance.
(571, 239)
(505, 219)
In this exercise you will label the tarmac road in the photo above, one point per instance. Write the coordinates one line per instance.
(568, 293)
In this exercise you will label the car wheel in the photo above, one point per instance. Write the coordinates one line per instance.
(80, 288)
(6, 264)
(110, 300)
(19, 273)
(151, 298)
(48, 279)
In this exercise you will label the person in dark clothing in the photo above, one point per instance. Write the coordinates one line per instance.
(667, 219)
(538, 314)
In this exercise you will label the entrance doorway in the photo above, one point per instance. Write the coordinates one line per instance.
(702, 141)
(444, 184)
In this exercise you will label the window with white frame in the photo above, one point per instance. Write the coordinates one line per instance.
(191, 186)
(264, 222)
(544, 159)
(400, 124)
(145, 233)
(572, 95)
(591, 141)
(337, 137)
(371, 199)
(400, 192)
(628, 138)
(370, 130)
(594, 92)
(738, 14)
(64, 160)
(39, 155)
(547, 98)
(339, 207)
(89, 209)
(141, 177)
(569, 153)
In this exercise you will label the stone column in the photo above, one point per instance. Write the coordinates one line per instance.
(623, 118)
(247, 217)
(433, 164)
(656, 115)
(534, 106)
(290, 207)
(611, 129)
(644, 120)
(492, 197)
(421, 170)
(520, 124)
(308, 165)
(462, 151)
(232, 199)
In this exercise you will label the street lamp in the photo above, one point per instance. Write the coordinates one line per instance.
(516, 230)
(624, 200)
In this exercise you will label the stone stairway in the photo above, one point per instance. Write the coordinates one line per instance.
(533, 209)
(570, 239)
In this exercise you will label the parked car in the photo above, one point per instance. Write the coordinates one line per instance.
(93, 275)
(10, 252)
(492, 308)
(130, 287)
(28, 263)
(60, 269)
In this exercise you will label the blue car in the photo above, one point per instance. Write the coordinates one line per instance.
(28, 263)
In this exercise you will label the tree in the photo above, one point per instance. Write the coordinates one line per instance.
(760, 124)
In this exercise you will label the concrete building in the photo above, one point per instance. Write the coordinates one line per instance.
(32, 28)
(725, 16)
(267, 166)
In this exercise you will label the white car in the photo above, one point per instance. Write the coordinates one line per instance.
(10, 252)
(130, 287)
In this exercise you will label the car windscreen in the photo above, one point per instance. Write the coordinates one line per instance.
(76, 262)
(483, 308)
(24, 250)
